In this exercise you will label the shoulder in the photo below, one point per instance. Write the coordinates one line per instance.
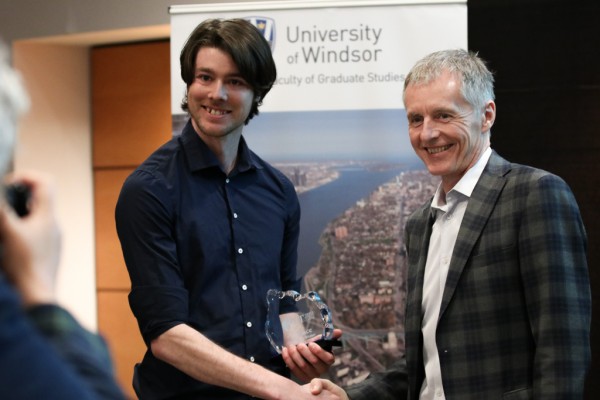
(273, 173)
(151, 186)
(524, 187)
(159, 167)
(522, 177)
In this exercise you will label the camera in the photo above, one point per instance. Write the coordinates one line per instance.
(17, 195)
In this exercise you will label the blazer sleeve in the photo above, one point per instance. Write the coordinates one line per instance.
(553, 247)
(391, 384)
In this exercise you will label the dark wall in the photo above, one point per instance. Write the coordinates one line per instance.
(546, 58)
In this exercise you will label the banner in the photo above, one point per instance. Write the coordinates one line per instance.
(335, 123)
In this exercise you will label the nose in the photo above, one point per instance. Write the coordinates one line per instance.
(429, 130)
(219, 91)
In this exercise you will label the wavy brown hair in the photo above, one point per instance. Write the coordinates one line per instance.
(247, 47)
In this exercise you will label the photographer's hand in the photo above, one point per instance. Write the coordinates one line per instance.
(31, 244)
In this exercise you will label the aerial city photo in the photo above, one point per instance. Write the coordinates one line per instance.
(357, 180)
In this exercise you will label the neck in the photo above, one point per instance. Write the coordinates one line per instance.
(224, 147)
(226, 150)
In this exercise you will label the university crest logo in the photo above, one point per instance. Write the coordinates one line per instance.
(266, 26)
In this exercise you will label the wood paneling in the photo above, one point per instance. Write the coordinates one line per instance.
(131, 102)
(111, 272)
(118, 325)
(131, 118)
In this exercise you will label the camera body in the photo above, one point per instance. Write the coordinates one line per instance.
(17, 195)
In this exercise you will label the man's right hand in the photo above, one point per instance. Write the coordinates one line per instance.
(324, 387)
(31, 244)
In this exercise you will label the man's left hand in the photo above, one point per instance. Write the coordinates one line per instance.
(308, 361)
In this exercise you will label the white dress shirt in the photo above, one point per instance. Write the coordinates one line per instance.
(449, 210)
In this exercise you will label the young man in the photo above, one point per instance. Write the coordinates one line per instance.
(207, 228)
(498, 301)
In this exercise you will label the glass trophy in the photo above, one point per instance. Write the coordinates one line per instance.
(294, 318)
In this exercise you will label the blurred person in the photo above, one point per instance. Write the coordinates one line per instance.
(44, 352)
(207, 228)
(498, 294)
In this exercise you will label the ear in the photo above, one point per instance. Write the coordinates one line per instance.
(489, 116)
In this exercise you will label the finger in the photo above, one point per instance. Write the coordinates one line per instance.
(299, 365)
(296, 356)
(320, 359)
(312, 354)
(316, 386)
(289, 362)
(337, 391)
(307, 351)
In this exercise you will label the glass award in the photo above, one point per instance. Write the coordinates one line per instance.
(294, 318)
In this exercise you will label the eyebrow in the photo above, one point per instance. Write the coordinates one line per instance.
(212, 71)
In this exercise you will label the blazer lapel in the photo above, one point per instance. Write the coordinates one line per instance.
(480, 207)
(422, 236)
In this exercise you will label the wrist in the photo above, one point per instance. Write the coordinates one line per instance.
(34, 292)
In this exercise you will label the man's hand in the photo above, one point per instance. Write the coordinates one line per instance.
(319, 387)
(31, 244)
(308, 361)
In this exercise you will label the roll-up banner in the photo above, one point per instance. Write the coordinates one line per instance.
(335, 124)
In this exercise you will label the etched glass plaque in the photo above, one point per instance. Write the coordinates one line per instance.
(294, 318)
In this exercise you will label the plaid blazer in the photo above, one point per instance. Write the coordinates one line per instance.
(515, 316)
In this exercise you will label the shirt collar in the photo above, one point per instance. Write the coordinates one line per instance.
(200, 156)
(467, 183)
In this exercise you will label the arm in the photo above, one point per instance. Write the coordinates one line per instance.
(86, 352)
(554, 271)
(191, 352)
(38, 338)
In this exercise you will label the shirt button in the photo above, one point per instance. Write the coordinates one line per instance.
(244, 287)
(439, 393)
(240, 250)
(249, 324)
(252, 358)
(226, 180)
(234, 215)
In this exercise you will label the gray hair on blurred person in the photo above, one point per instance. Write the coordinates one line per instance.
(13, 103)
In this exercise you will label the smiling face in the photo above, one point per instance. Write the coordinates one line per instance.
(219, 99)
(446, 132)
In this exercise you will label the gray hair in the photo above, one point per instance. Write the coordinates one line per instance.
(13, 103)
(477, 82)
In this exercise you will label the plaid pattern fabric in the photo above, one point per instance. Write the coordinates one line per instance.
(516, 310)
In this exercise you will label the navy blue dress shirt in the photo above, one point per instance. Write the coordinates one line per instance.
(202, 248)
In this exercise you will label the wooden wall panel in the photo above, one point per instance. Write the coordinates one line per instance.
(120, 329)
(131, 98)
(111, 272)
(131, 118)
